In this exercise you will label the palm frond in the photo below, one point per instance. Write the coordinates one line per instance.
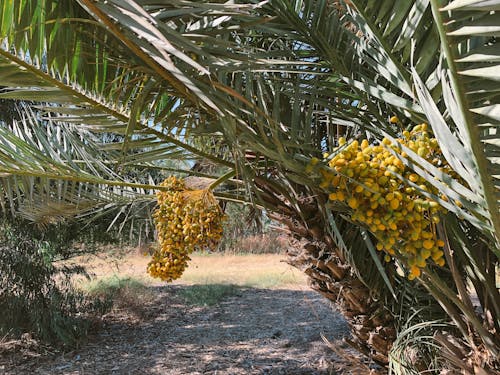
(472, 103)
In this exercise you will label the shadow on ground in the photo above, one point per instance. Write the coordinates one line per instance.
(253, 331)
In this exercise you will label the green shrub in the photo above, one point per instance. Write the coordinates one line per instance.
(35, 295)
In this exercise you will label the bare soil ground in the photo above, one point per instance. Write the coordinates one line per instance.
(255, 331)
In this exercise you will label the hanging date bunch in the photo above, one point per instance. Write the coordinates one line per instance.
(186, 220)
(364, 177)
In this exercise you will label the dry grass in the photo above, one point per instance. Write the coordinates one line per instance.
(122, 281)
(122, 293)
(255, 270)
(266, 243)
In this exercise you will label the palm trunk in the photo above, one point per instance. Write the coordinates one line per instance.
(372, 326)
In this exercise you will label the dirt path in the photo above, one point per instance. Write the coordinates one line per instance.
(257, 331)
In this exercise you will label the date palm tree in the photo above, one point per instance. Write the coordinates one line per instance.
(259, 89)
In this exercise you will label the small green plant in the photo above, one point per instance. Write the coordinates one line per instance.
(111, 286)
(122, 293)
(208, 294)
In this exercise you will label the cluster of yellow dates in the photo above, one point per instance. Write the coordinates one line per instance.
(185, 220)
(365, 177)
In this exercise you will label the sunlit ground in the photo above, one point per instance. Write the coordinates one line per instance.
(255, 270)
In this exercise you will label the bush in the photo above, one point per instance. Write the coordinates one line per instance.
(265, 243)
(248, 230)
(36, 296)
(122, 293)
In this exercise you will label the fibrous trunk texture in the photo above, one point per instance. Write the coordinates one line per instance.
(372, 326)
